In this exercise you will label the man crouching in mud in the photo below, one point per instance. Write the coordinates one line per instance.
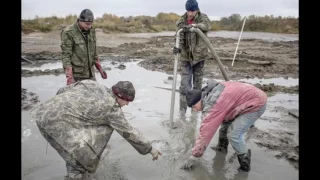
(79, 120)
(233, 105)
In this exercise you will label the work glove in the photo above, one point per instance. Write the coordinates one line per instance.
(190, 162)
(69, 75)
(102, 72)
(155, 153)
(193, 25)
(176, 50)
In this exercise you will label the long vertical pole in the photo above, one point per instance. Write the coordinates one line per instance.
(235, 53)
(176, 58)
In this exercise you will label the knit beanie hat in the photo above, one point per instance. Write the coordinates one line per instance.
(124, 90)
(192, 5)
(86, 15)
(193, 97)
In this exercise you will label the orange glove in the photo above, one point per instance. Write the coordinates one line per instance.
(102, 72)
(69, 75)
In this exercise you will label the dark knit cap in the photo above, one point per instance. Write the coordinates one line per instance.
(192, 5)
(124, 90)
(193, 97)
(86, 15)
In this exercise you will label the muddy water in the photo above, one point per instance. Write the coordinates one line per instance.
(228, 34)
(149, 113)
(276, 81)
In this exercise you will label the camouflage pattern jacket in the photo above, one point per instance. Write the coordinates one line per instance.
(82, 117)
(78, 51)
(223, 102)
(193, 48)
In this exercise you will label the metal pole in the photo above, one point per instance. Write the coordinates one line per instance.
(235, 53)
(176, 58)
(216, 57)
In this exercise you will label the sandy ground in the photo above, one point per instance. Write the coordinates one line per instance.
(273, 139)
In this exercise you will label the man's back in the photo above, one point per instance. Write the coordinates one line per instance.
(241, 98)
(83, 103)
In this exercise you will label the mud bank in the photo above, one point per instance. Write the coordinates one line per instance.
(255, 58)
(28, 73)
(118, 62)
(28, 99)
(274, 88)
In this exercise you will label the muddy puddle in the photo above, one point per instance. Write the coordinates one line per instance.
(149, 113)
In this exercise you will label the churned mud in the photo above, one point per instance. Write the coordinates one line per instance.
(147, 61)
(255, 57)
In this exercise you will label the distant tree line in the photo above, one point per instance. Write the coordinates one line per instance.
(110, 23)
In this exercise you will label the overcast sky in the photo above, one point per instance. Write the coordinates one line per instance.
(215, 9)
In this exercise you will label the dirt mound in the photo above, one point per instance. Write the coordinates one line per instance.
(132, 45)
(159, 63)
(274, 88)
(25, 72)
(28, 99)
(287, 44)
(120, 59)
(102, 49)
(45, 55)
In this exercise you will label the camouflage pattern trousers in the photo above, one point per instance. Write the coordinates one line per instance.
(190, 75)
(75, 171)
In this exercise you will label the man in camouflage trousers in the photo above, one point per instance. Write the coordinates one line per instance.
(78, 122)
(193, 50)
(79, 49)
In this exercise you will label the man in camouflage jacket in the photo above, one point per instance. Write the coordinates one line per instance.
(79, 50)
(78, 122)
(193, 50)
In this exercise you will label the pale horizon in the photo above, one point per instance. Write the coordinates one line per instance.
(214, 9)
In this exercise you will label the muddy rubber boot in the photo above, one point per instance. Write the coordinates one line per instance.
(183, 106)
(244, 161)
(222, 145)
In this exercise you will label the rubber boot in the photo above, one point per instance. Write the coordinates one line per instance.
(244, 161)
(183, 105)
(222, 145)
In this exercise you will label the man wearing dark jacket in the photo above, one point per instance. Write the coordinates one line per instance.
(193, 50)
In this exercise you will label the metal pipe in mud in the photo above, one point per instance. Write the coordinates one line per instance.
(216, 57)
(176, 58)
